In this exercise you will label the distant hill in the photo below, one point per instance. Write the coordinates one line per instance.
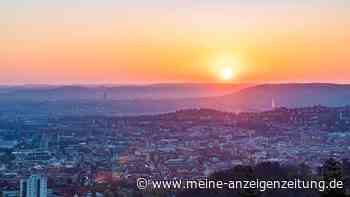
(157, 91)
(259, 98)
(137, 100)
(288, 95)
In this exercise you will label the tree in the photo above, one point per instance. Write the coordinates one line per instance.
(108, 193)
(333, 170)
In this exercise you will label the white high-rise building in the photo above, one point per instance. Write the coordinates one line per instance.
(34, 186)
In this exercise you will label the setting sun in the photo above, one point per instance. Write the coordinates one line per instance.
(227, 73)
(226, 67)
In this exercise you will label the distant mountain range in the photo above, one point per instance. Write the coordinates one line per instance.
(156, 91)
(171, 97)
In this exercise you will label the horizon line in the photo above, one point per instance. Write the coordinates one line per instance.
(173, 83)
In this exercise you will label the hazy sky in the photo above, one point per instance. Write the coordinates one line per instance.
(136, 41)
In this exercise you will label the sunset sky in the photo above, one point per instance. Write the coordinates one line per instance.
(136, 41)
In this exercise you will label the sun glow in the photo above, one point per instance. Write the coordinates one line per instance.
(227, 73)
(226, 67)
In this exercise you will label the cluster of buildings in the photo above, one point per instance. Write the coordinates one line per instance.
(32, 186)
(76, 153)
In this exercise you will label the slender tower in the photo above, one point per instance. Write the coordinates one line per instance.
(273, 103)
(105, 96)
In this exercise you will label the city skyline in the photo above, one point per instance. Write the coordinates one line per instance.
(115, 42)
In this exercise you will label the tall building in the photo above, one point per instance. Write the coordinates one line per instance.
(114, 158)
(105, 96)
(115, 168)
(44, 143)
(58, 141)
(34, 186)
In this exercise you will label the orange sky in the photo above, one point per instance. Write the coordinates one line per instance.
(178, 41)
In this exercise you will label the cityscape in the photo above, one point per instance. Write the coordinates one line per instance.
(74, 153)
(209, 98)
